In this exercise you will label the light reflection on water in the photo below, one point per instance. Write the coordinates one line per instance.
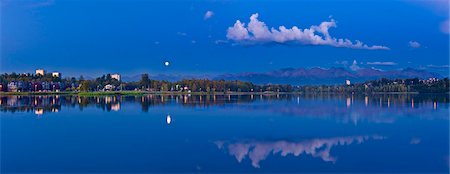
(168, 119)
(225, 133)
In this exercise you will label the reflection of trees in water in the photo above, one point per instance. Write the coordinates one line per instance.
(37, 104)
(357, 108)
(258, 151)
(106, 103)
(52, 103)
(393, 98)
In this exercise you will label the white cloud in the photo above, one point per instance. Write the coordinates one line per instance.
(414, 44)
(354, 66)
(258, 32)
(382, 63)
(208, 15)
(238, 32)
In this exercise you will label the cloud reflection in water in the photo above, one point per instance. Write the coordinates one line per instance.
(258, 151)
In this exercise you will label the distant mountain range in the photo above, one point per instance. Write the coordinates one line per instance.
(304, 76)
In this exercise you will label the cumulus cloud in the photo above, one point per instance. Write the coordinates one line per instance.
(258, 32)
(260, 150)
(208, 15)
(382, 63)
(238, 32)
(414, 44)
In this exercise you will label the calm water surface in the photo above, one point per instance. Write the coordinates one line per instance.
(247, 133)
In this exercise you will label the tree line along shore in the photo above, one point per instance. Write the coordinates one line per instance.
(29, 84)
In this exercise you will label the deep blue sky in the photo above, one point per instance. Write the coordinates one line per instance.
(130, 37)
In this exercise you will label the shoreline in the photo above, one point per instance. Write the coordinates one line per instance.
(100, 93)
(133, 93)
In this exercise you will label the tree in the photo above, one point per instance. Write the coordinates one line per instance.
(85, 85)
(80, 79)
(145, 81)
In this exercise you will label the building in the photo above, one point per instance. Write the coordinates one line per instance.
(3, 87)
(15, 86)
(347, 82)
(56, 74)
(12, 87)
(46, 86)
(429, 80)
(55, 86)
(116, 76)
(109, 87)
(40, 72)
(36, 86)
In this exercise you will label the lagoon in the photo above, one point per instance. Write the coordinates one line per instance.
(225, 133)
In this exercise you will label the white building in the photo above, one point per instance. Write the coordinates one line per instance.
(40, 72)
(347, 82)
(109, 87)
(116, 76)
(56, 74)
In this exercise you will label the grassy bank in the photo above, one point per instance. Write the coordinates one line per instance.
(100, 93)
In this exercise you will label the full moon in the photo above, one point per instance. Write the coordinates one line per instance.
(166, 63)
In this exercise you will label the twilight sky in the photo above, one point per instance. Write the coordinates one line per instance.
(221, 36)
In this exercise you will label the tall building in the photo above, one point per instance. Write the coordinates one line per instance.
(56, 74)
(40, 72)
(347, 82)
(116, 76)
